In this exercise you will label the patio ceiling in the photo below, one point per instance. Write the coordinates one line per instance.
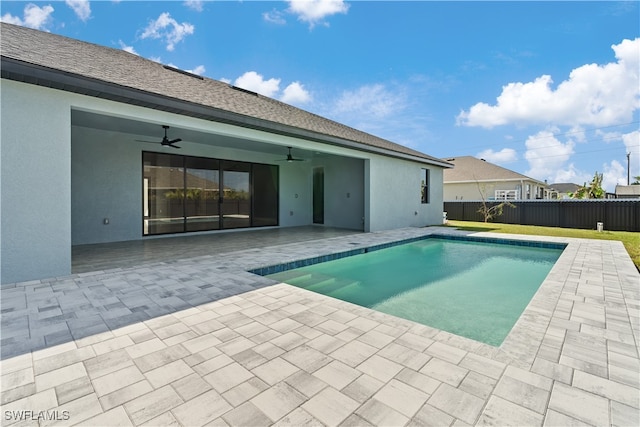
(153, 131)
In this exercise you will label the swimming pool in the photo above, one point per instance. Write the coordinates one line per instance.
(476, 288)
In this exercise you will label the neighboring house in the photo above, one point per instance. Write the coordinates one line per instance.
(476, 179)
(627, 192)
(562, 190)
(75, 169)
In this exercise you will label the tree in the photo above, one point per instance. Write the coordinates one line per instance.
(636, 180)
(592, 191)
(487, 211)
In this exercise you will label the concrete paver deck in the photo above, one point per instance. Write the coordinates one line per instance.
(200, 341)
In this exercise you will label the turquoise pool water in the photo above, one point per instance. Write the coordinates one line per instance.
(476, 290)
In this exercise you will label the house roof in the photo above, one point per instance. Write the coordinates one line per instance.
(565, 187)
(472, 169)
(59, 62)
(628, 190)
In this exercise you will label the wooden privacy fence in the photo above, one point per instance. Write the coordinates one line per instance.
(615, 214)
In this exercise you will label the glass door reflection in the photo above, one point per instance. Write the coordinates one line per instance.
(236, 195)
(202, 194)
(163, 179)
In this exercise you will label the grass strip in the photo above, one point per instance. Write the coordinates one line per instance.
(630, 240)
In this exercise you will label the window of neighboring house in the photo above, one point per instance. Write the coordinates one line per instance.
(424, 185)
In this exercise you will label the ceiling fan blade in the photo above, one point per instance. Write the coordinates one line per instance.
(168, 143)
(174, 141)
(290, 157)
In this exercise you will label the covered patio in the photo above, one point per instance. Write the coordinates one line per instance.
(108, 256)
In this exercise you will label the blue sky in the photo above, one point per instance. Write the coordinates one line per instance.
(547, 89)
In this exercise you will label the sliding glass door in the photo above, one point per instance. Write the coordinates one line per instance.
(164, 177)
(236, 200)
(202, 194)
(184, 193)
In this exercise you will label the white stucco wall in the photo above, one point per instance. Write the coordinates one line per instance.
(35, 185)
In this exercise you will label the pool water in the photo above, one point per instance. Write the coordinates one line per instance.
(476, 290)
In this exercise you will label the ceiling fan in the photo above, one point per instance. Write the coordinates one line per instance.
(290, 158)
(166, 142)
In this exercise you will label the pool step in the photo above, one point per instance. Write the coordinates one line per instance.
(292, 277)
(331, 285)
(315, 281)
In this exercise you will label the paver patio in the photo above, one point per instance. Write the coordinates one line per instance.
(200, 341)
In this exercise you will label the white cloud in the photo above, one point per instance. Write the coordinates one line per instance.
(571, 174)
(127, 48)
(315, 11)
(631, 142)
(81, 8)
(197, 5)
(10, 19)
(506, 155)
(168, 29)
(613, 173)
(295, 93)
(255, 82)
(199, 70)
(274, 17)
(546, 155)
(34, 17)
(372, 101)
(597, 95)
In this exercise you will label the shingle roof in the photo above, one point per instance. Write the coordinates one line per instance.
(472, 169)
(565, 187)
(38, 57)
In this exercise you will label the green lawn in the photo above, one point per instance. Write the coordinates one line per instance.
(631, 241)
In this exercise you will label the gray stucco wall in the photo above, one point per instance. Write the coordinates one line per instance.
(105, 177)
(395, 195)
(344, 193)
(35, 183)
